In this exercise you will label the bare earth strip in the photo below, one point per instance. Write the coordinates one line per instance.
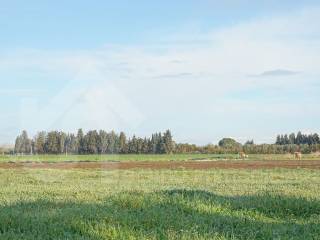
(312, 164)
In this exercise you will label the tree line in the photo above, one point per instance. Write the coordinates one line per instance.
(298, 139)
(297, 143)
(93, 142)
(103, 142)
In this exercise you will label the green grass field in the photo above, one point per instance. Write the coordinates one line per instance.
(146, 204)
(146, 157)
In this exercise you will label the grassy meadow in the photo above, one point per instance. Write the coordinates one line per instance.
(163, 204)
(148, 157)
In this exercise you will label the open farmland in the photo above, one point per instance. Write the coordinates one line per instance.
(107, 165)
(159, 204)
(160, 120)
(148, 157)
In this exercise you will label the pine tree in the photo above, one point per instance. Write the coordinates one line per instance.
(102, 142)
(299, 138)
(111, 142)
(160, 144)
(62, 142)
(285, 139)
(123, 143)
(18, 145)
(292, 138)
(52, 143)
(168, 144)
(80, 141)
(39, 142)
(91, 140)
(133, 145)
(73, 148)
(25, 143)
(145, 146)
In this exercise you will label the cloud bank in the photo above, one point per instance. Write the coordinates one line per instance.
(186, 85)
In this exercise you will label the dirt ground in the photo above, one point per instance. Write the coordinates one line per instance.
(312, 164)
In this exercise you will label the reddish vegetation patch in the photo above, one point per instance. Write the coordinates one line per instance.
(313, 164)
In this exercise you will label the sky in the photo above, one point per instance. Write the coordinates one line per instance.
(204, 69)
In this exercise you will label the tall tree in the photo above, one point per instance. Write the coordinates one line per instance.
(23, 144)
(73, 144)
(102, 142)
(123, 143)
(52, 142)
(39, 142)
(18, 145)
(292, 138)
(80, 141)
(62, 137)
(90, 142)
(299, 138)
(168, 144)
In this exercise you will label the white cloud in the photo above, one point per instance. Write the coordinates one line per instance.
(121, 86)
(276, 73)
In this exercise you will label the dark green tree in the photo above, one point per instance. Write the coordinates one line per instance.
(102, 142)
(80, 141)
(299, 138)
(40, 142)
(52, 145)
(292, 138)
(91, 142)
(168, 144)
(123, 143)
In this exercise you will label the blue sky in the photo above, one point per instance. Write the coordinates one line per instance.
(91, 24)
(204, 69)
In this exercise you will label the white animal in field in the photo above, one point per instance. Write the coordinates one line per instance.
(297, 155)
(243, 155)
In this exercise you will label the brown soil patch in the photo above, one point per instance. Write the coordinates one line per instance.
(312, 164)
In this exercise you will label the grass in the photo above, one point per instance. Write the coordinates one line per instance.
(146, 204)
(148, 157)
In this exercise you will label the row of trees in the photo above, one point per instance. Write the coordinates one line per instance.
(102, 142)
(248, 148)
(300, 142)
(298, 139)
(93, 142)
